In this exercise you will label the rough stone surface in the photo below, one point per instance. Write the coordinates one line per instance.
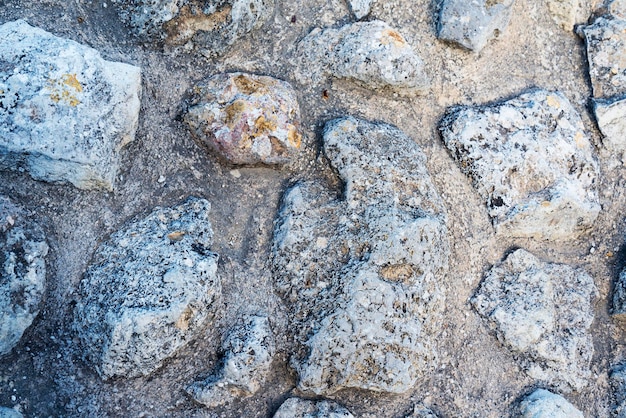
(542, 312)
(246, 119)
(369, 53)
(420, 411)
(9, 413)
(616, 8)
(22, 273)
(65, 112)
(618, 383)
(249, 349)
(360, 8)
(208, 26)
(149, 290)
(544, 404)
(302, 408)
(564, 12)
(619, 297)
(366, 267)
(531, 160)
(472, 24)
(606, 52)
(611, 118)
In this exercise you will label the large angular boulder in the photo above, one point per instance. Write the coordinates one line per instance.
(542, 312)
(246, 119)
(371, 54)
(532, 162)
(65, 112)
(22, 272)
(210, 26)
(361, 272)
(150, 289)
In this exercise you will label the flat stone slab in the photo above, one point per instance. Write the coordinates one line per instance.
(149, 290)
(542, 312)
(531, 160)
(544, 404)
(65, 112)
(361, 273)
(472, 24)
(246, 119)
(208, 27)
(22, 273)
(371, 54)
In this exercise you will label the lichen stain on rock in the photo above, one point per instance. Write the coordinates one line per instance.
(61, 89)
(184, 26)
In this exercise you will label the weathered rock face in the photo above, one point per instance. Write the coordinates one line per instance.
(420, 411)
(210, 26)
(619, 297)
(606, 53)
(544, 404)
(362, 273)
(249, 351)
(531, 160)
(564, 12)
(542, 312)
(22, 273)
(360, 8)
(149, 290)
(246, 119)
(301, 408)
(471, 24)
(369, 53)
(65, 113)
(618, 383)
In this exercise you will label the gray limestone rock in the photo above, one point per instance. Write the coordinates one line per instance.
(362, 272)
(420, 411)
(150, 289)
(360, 8)
(22, 273)
(65, 112)
(611, 118)
(618, 383)
(302, 408)
(542, 312)
(246, 119)
(210, 26)
(532, 162)
(249, 349)
(9, 413)
(471, 24)
(369, 53)
(544, 404)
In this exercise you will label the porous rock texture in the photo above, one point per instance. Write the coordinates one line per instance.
(370, 53)
(360, 8)
(532, 162)
(246, 119)
(65, 112)
(472, 24)
(23, 249)
(302, 408)
(249, 349)
(209, 26)
(544, 404)
(605, 39)
(542, 312)
(618, 383)
(150, 289)
(362, 271)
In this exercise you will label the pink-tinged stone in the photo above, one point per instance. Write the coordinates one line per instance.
(246, 119)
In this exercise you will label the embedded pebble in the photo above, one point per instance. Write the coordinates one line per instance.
(249, 349)
(22, 273)
(209, 27)
(371, 54)
(544, 404)
(532, 162)
(65, 113)
(148, 291)
(246, 119)
(542, 312)
(472, 24)
(362, 273)
(302, 408)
